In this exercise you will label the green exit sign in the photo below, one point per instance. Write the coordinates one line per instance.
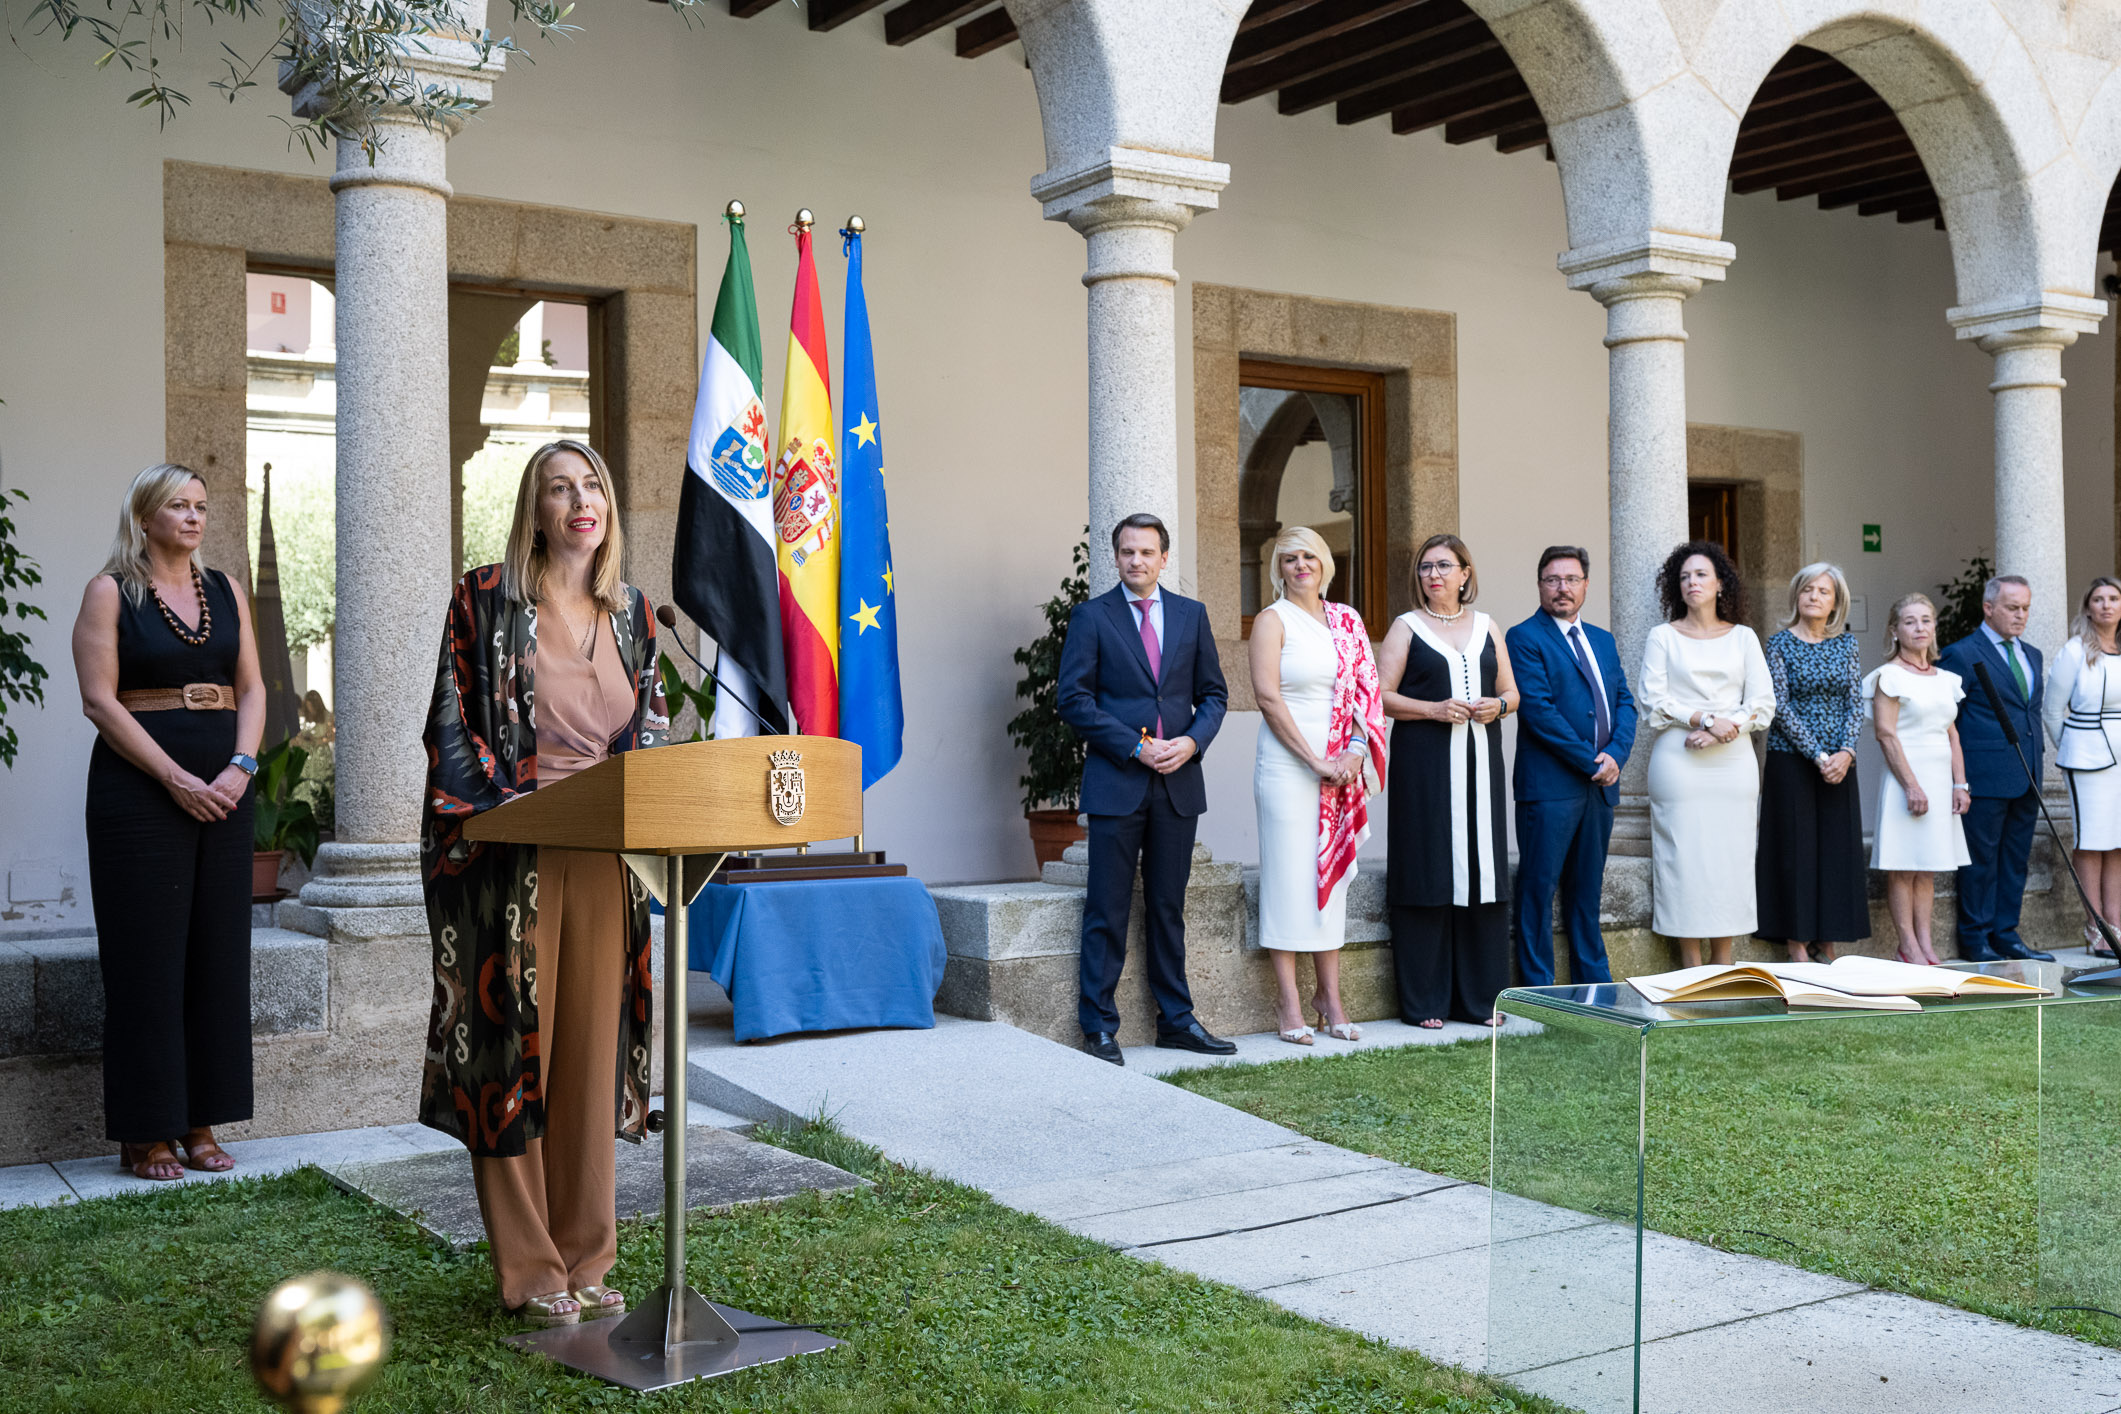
(1873, 539)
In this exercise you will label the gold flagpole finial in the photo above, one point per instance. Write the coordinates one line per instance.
(804, 220)
(856, 225)
(734, 211)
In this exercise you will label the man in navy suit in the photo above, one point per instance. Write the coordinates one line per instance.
(1141, 684)
(1999, 823)
(1575, 727)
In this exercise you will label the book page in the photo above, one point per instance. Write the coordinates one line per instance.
(1711, 982)
(1878, 976)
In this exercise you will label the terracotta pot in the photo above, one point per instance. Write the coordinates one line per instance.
(1052, 831)
(265, 875)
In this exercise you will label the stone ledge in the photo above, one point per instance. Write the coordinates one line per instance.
(51, 991)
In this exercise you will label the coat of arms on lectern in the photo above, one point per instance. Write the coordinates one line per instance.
(784, 786)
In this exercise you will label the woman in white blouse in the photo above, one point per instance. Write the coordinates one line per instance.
(2084, 717)
(1705, 685)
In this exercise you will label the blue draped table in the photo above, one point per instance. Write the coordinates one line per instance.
(820, 954)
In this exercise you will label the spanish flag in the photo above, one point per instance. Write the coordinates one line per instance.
(806, 511)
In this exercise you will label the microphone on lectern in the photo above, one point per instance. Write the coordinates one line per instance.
(668, 618)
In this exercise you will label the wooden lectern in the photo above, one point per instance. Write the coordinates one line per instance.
(673, 814)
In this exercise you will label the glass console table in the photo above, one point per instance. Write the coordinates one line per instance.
(1961, 1147)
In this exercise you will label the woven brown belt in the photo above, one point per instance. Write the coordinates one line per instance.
(196, 696)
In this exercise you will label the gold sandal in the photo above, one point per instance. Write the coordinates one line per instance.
(545, 1310)
(603, 1300)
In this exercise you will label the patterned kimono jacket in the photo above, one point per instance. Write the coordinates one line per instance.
(483, 1083)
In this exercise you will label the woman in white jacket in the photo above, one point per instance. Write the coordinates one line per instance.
(2083, 714)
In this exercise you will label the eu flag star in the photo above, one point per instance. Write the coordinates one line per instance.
(864, 431)
(866, 617)
(887, 580)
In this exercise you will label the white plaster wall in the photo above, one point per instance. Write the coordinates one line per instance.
(1831, 326)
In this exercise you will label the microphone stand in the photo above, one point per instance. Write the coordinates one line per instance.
(2105, 976)
(668, 618)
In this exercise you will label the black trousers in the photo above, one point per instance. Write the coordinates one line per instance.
(1450, 962)
(172, 902)
(1158, 842)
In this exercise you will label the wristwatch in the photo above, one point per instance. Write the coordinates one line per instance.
(248, 764)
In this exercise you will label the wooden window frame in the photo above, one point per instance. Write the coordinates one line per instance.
(1370, 596)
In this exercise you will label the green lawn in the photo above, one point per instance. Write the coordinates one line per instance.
(949, 1302)
(1900, 1152)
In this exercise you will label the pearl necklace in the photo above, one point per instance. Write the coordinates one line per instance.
(1445, 618)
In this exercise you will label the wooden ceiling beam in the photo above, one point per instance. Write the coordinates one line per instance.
(918, 18)
(1356, 47)
(1462, 102)
(1797, 125)
(1791, 191)
(991, 31)
(1826, 162)
(1856, 193)
(1522, 139)
(1921, 200)
(745, 9)
(1459, 131)
(831, 14)
(1320, 21)
(1267, 11)
(1481, 66)
(1396, 69)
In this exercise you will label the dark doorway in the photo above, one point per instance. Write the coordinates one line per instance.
(1712, 514)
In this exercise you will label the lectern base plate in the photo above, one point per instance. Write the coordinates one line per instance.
(589, 1348)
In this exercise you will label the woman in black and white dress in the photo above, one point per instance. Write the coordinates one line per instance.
(1448, 686)
(2084, 717)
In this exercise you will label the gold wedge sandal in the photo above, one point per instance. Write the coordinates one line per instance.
(598, 1301)
(545, 1310)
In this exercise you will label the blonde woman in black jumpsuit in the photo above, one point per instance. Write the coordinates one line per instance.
(169, 675)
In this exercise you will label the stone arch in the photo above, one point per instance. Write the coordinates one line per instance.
(1965, 88)
(2094, 168)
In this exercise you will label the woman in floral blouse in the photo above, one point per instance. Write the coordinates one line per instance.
(1810, 875)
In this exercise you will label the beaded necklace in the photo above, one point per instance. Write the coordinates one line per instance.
(176, 625)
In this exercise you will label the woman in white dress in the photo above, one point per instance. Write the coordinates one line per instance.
(1705, 685)
(2084, 717)
(1321, 721)
(1914, 705)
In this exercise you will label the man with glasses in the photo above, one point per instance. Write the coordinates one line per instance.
(1999, 823)
(1576, 726)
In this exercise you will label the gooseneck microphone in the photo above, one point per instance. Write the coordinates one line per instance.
(2111, 975)
(668, 618)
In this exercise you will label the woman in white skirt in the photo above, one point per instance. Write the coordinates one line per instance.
(1914, 706)
(1321, 724)
(1705, 685)
(2084, 717)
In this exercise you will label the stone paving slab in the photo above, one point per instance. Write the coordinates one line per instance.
(1876, 1352)
(1437, 1305)
(100, 1176)
(722, 1170)
(1065, 1200)
(33, 1186)
(979, 1102)
(1257, 1208)
(1267, 1046)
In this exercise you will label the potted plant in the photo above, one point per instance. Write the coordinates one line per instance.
(1055, 775)
(281, 820)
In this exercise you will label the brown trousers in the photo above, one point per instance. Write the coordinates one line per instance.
(550, 1213)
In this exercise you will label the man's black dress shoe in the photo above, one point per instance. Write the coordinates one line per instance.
(1967, 954)
(1105, 1046)
(1196, 1038)
(2019, 952)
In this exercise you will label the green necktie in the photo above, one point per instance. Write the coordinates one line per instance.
(2010, 651)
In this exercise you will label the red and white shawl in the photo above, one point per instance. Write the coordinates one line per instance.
(1343, 811)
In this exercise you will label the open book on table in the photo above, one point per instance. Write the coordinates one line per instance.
(1866, 983)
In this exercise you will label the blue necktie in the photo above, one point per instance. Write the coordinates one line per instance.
(1590, 680)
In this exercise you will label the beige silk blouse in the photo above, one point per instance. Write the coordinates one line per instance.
(584, 704)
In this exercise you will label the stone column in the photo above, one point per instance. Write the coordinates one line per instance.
(394, 473)
(1643, 286)
(2026, 339)
(1130, 207)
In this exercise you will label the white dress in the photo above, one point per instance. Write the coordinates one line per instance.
(1935, 840)
(1704, 805)
(2084, 718)
(1286, 793)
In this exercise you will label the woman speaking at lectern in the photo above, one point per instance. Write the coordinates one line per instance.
(541, 956)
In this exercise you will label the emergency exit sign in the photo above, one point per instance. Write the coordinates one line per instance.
(1873, 539)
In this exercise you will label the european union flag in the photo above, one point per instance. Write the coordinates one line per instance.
(871, 709)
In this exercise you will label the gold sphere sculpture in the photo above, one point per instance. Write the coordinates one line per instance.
(318, 1341)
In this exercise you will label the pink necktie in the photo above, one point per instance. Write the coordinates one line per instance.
(1154, 650)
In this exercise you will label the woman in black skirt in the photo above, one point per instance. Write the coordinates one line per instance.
(169, 675)
(1448, 685)
(1809, 871)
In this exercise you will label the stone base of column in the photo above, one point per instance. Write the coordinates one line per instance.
(1631, 826)
(365, 876)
